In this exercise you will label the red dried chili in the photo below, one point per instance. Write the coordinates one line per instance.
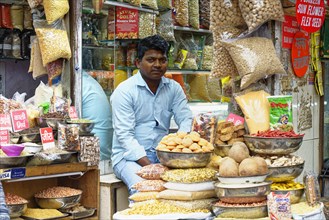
(277, 133)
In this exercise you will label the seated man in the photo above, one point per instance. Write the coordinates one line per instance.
(142, 108)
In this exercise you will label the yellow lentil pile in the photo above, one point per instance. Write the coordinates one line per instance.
(157, 208)
(42, 213)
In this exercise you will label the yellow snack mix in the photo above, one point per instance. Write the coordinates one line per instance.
(42, 213)
(55, 9)
(54, 44)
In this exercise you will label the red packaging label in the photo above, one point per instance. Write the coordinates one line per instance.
(73, 113)
(289, 29)
(126, 23)
(19, 120)
(236, 119)
(5, 122)
(4, 137)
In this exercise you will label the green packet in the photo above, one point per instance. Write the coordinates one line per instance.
(281, 112)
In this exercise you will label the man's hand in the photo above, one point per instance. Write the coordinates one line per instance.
(144, 161)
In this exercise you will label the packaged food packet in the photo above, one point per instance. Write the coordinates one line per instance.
(312, 189)
(279, 206)
(281, 112)
(227, 90)
(68, 137)
(205, 125)
(255, 108)
(152, 171)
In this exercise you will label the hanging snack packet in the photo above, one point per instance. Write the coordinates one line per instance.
(279, 207)
(281, 113)
(312, 189)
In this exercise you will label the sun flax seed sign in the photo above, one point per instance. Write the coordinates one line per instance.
(310, 14)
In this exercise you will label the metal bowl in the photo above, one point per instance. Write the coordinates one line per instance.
(273, 146)
(250, 212)
(242, 193)
(183, 160)
(84, 127)
(49, 122)
(222, 150)
(295, 194)
(7, 162)
(33, 137)
(17, 210)
(241, 179)
(286, 173)
(58, 203)
(32, 147)
(14, 139)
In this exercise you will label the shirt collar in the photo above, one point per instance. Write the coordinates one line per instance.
(141, 81)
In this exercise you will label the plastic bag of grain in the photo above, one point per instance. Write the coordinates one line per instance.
(146, 26)
(53, 41)
(193, 12)
(55, 9)
(195, 175)
(204, 12)
(198, 87)
(164, 4)
(134, 2)
(222, 63)
(17, 16)
(258, 12)
(225, 13)
(165, 26)
(185, 195)
(143, 196)
(214, 88)
(180, 12)
(149, 186)
(152, 171)
(150, 3)
(255, 58)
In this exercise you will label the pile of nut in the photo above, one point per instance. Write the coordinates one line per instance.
(185, 143)
(12, 199)
(58, 192)
(256, 12)
(288, 160)
(225, 13)
(228, 133)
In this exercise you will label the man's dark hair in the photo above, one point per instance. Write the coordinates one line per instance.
(155, 42)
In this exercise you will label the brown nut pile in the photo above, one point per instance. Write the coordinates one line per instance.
(257, 12)
(185, 143)
(223, 65)
(225, 13)
(12, 199)
(57, 192)
(227, 133)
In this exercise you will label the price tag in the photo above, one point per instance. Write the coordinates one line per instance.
(73, 113)
(300, 53)
(13, 173)
(47, 138)
(19, 120)
(4, 137)
(236, 119)
(5, 122)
